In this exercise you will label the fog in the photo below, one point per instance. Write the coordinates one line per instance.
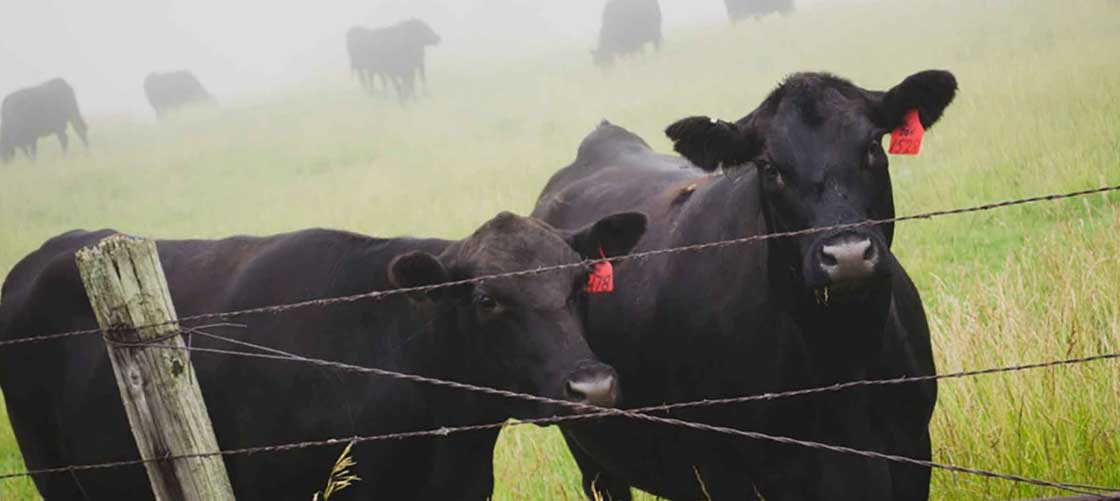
(254, 48)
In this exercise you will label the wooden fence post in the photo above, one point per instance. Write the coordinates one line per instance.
(127, 288)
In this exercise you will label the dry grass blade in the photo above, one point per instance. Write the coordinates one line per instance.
(341, 476)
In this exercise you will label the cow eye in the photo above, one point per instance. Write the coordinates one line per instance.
(772, 175)
(875, 151)
(486, 304)
(766, 168)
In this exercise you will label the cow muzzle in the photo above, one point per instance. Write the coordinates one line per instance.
(848, 261)
(593, 383)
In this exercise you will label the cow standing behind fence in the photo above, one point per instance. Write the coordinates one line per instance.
(777, 315)
(523, 334)
(627, 26)
(393, 54)
(34, 112)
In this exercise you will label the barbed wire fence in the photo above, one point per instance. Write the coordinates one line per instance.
(590, 412)
(381, 294)
(587, 411)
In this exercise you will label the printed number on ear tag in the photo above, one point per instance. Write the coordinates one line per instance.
(907, 138)
(602, 276)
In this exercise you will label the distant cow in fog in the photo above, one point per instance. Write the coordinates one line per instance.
(167, 91)
(394, 54)
(738, 10)
(34, 112)
(628, 25)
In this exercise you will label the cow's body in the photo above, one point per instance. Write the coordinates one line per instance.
(739, 10)
(65, 408)
(174, 89)
(627, 26)
(395, 54)
(754, 318)
(43, 110)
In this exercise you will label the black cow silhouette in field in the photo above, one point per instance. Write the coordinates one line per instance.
(395, 54)
(628, 25)
(174, 89)
(739, 10)
(34, 112)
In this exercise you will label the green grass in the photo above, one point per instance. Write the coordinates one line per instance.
(1038, 112)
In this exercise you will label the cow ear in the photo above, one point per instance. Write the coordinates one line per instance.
(417, 269)
(929, 92)
(713, 143)
(613, 235)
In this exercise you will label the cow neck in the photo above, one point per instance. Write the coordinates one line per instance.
(843, 339)
(432, 348)
(727, 208)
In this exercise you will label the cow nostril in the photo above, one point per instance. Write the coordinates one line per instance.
(869, 254)
(572, 392)
(827, 258)
(599, 391)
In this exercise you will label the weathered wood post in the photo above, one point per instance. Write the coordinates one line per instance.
(127, 289)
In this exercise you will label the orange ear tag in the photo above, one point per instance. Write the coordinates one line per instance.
(601, 279)
(907, 138)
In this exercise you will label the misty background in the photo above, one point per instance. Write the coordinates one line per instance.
(257, 48)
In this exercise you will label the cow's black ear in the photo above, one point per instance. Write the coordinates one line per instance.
(613, 235)
(417, 269)
(713, 143)
(929, 92)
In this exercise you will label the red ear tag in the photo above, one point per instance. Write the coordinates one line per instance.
(602, 276)
(907, 138)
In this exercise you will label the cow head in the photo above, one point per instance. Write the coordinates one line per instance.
(523, 333)
(816, 146)
(420, 33)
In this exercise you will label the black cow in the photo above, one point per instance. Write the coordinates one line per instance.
(739, 10)
(523, 334)
(768, 316)
(394, 54)
(34, 112)
(174, 89)
(628, 25)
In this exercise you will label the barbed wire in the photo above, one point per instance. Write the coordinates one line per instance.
(713, 401)
(378, 295)
(591, 412)
(281, 355)
(1092, 490)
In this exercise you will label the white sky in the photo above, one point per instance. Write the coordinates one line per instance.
(254, 47)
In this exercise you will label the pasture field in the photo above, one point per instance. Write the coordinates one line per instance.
(1038, 112)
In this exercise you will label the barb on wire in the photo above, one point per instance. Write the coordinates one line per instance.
(377, 295)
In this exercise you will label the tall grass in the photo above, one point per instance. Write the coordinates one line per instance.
(1037, 112)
